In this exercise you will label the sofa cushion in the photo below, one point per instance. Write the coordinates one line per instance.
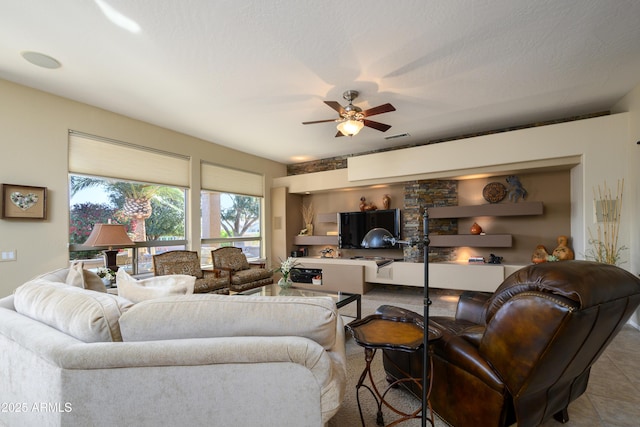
(85, 279)
(211, 316)
(154, 287)
(84, 314)
(250, 275)
(233, 260)
(59, 275)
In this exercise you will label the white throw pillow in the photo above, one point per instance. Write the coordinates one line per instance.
(84, 314)
(154, 287)
(85, 279)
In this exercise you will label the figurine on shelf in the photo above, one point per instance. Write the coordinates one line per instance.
(540, 255)
(563, 252)
(386, 201)
(494, 259)
(516, 190)
(364, 206)
(326, 253)
(476, 229)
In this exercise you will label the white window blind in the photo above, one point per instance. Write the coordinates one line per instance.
(89, 155)
(227, 180)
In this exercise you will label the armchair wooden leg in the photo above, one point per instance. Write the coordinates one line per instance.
(562, 416)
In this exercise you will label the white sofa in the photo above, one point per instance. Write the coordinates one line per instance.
(190, 360)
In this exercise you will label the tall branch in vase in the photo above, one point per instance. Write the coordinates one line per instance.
(604, 244)
(307, 217)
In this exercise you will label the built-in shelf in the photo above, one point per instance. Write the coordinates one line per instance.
(481, 241)
(327, 217)
(496, 209)
(478, 241)
(316, 240)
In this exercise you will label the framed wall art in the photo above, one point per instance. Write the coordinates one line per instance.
(24, 202)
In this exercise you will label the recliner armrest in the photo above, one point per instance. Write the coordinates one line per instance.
(471, 306)
(401, 314)
(464, 355)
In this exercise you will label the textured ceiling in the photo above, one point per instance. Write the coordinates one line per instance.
(245, 74)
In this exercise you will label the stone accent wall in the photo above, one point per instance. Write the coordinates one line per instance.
(323, 165)
(417, 196)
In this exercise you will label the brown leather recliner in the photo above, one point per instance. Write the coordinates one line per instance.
(523, 353)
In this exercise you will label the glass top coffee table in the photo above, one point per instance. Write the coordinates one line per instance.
(341, 298)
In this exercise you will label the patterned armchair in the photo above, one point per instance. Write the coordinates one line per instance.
(234, 265)
(188, 262)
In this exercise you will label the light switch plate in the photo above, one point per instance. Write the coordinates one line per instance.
(8, 255)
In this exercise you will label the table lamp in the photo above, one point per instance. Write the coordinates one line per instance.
(109, 235)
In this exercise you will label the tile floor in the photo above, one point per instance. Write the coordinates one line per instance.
(612, 398)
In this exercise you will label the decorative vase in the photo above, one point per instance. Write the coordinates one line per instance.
(107, 282)
(476, 229)
(386, 201)
(285, 282)
(309, 229)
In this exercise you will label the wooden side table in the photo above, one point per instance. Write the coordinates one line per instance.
(388, 333)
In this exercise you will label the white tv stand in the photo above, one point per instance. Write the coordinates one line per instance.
(357, 275)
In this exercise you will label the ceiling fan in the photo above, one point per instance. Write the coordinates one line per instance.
(352, 119)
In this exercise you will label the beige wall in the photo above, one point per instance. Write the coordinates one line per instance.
(550, 188)
(631, 104)
(349, 201)
(34, 143)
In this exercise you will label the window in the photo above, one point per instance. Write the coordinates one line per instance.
(231, 220)
(231, 210)
(154, 216)
(140, 187)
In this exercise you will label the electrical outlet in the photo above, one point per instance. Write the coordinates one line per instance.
(8, 255)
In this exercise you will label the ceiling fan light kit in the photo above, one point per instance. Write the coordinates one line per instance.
(350, 127)
(352, 119)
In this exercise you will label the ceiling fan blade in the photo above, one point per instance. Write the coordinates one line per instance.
(336, 106)
(385, 108)
(376, 125)
(319, 121)
(339, 134)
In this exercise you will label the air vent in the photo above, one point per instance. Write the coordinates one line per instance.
(400, 135)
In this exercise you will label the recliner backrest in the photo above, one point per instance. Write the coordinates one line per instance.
(547, 324)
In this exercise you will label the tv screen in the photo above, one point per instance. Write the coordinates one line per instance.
(354, 225)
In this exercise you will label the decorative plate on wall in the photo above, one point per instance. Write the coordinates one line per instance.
(494, 192)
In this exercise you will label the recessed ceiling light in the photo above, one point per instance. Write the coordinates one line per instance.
(40, 59)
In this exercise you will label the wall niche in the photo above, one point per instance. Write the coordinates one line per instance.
(551, 187)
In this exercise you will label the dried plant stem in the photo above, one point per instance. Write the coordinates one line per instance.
(605, 243)
(307, 213)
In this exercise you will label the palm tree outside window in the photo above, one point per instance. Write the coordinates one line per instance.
(154, 216)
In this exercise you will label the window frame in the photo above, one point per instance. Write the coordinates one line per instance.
(223, 241)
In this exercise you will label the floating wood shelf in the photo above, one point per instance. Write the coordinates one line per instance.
(497, 209)
(327, 217)
(316, 240)
(478, 241)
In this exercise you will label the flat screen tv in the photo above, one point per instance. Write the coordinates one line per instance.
(354, 225)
